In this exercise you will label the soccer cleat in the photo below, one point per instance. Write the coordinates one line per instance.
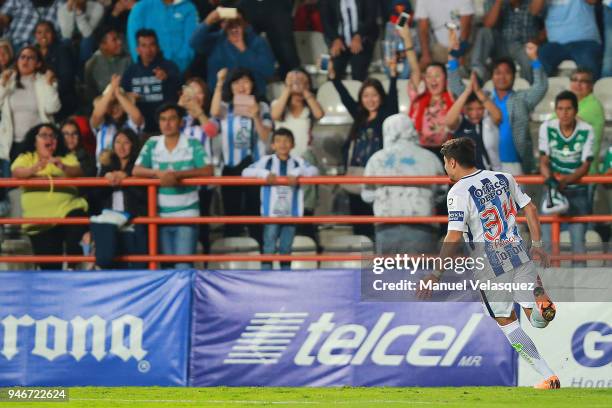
(546, 306)
(551, 383)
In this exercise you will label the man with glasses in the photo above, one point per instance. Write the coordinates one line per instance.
(590, 109)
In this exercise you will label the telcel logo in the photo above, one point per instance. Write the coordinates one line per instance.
(378, 341)
(79, 325)
(592, 344)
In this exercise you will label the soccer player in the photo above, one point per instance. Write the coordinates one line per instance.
(482, 207)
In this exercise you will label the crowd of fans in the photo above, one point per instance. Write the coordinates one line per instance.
(172, 89)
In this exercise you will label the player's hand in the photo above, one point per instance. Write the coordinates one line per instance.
(541, 255)
(50, 77)
(336, 48)
(424, 294)
(271, 179)
(356, 44)
(292, 180)
(221, 75)
(168, 179)
(160, 74)
(531, 49)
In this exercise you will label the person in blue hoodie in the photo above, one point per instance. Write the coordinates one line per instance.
(172, 20)
(154, 79)
(234, 46)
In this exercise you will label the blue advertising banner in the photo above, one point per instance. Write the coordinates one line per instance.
(309, 328)
(94, 328)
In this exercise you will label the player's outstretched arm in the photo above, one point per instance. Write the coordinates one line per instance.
(449, 248)
(533, 222)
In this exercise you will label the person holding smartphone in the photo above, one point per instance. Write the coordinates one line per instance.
(245, 125)
(297, 109)
(235, 45)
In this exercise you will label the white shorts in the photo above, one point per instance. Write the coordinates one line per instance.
(501, 303)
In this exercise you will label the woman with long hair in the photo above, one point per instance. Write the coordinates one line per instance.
(45, 156)
(73, 139)
(430, 102)
(117, 164)
(369, 111)
(28, 96)
(245, 125)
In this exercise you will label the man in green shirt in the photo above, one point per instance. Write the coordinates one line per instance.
(566, 153)
(589, 109)
(171, 157)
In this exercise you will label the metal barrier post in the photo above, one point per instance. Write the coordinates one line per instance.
(152, 212)
(556, 240)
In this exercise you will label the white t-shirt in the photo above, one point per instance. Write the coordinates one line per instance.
(484, 206)
(441, 12)
(300, 126)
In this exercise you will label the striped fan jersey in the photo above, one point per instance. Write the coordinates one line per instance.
(239, 137)
(277, 200)
(483, 206)
(180, 201)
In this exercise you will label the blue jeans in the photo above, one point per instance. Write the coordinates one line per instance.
(405, 239)
(585, 54)
(178, 240)
(606, 70)
(579, 204)
(281, 234)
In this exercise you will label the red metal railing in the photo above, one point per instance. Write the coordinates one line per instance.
(153, 220)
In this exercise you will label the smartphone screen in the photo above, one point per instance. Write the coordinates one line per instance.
(242, 104)
(402, 20)
(324, 65)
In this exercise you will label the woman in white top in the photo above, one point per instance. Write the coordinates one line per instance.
(28, 96)
(245, 126)
(297, 109)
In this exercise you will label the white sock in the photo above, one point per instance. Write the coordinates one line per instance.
(523, 344)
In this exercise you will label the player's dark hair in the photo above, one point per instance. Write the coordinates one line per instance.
(567, 96)
(147, 33)
(234, 75)
(472, 98)
(284, 132)
(170, 106)
(505, 61)
(462, 149)
(584, 71)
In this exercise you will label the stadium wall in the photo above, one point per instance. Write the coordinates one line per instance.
(239, 328)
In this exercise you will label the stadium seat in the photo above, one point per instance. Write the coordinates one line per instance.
(16, 247)
(545, 109)
(519, 85)
(238, 246)
(304, 245)
(351, 244)
(566, 68)
(335, 112)
(594, 245)
(310, 45)
(603, 92)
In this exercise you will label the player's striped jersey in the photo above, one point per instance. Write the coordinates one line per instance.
(483, 206)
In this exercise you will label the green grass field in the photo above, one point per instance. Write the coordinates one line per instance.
(325, 397)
